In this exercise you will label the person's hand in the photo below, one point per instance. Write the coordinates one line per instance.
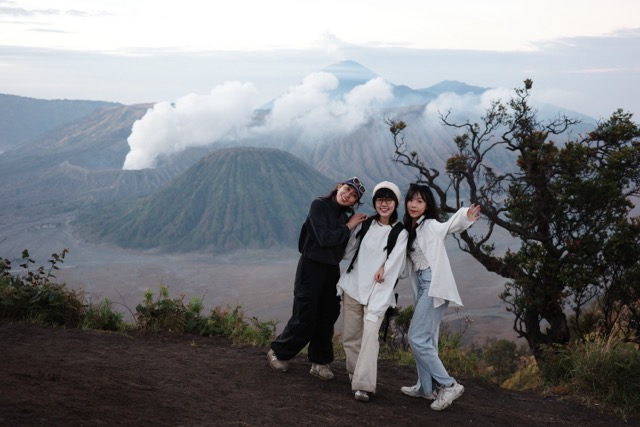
(474, 212)
(379, 276)
(356, 219)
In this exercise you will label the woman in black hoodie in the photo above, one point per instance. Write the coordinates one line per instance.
(316, 305)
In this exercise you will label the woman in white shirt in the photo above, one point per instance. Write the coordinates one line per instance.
(434, 288)
(367, 288)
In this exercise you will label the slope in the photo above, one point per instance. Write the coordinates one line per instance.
(70, 377)
(23, 118)
(231, 199)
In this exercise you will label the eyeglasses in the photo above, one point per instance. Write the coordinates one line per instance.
(357, 184)
(384, 200)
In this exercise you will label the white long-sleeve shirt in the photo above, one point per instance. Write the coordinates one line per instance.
(360, 284)
(430, 237)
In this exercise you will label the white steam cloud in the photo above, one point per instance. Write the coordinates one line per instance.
(308, 110)
(469, 106)
(192, 121)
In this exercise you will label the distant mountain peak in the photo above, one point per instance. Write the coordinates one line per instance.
(350, 74)
(351, 70)
(455, 87)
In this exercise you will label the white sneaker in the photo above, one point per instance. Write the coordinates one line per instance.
(446, 396)
(413, 392)
(275, 363)
(361, 395)
(321, 371)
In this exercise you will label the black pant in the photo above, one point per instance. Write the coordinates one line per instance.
(316, 307)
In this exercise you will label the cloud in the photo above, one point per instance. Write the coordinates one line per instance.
(14, 11)
(21, 12)
(461, 108)
(310, 109)
(192, 121)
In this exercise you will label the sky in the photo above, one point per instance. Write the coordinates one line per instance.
(583, 55)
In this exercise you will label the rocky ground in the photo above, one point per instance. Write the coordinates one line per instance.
(69, 377)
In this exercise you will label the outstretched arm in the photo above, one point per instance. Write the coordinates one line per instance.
(473, 213)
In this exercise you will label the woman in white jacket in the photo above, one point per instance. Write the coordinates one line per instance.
(434, 288)
(367, 288)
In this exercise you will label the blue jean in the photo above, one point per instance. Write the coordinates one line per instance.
(424, 333)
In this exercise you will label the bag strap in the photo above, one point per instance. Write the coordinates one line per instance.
(393, 237)
(363, 230)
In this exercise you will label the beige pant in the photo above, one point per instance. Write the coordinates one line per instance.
(361, 345)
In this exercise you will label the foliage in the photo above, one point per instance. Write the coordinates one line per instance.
(33, 296)
(600, 368)
(397, 329)
(455, 358)
(566, 203)
(103, 317)
(231, 322)
(500, 359)
(604, 369)
(527, 377)
(458, 361)
(172, 315)
(163, 314)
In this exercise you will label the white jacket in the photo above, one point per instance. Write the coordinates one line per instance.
(359, 284)
(430, 237)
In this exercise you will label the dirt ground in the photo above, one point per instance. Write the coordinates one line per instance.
(57, 377)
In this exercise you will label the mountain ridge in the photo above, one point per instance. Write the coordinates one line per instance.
(45, 115)
(78, 165)
(231, 199)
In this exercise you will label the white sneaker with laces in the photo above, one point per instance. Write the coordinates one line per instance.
(275, 363)
(361, 395)
(321, 371)
(412, 391)
(446, 396)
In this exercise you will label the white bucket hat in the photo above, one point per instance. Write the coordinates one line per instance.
(389, 186)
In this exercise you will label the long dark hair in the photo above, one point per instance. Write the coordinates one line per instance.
(432, 211)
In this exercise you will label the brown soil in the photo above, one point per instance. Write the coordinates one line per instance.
(57, 377)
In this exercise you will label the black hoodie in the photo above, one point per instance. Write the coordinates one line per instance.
(324, 235)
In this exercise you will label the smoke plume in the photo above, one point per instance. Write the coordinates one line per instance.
(192, 121)
(311, 110)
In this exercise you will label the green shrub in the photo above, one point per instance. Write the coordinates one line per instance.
(162, 314)
(527, 377)
(103, 317)
(599, 368)
(457, 361)
(167, 314)
(499, 359)
(32, 296)
(230, 323)
(394, 344)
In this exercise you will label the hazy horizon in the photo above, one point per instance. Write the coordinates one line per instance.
(582, 55)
